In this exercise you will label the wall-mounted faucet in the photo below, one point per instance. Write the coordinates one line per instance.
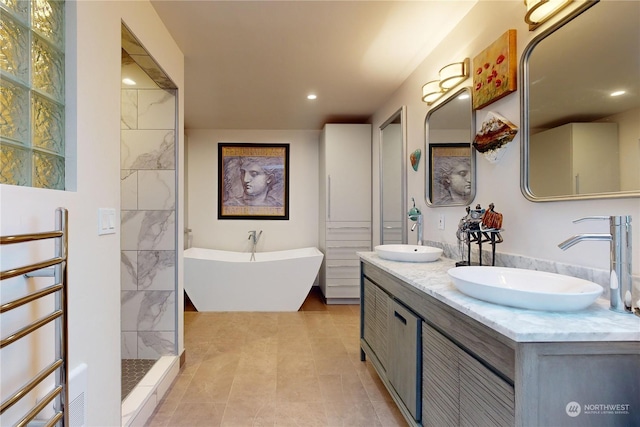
(620, 286)
(254, 237)
(415, 215)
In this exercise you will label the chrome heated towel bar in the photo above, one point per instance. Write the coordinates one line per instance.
(55, 267)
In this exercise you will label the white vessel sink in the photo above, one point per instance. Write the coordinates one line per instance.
(408, 253)
(535, 290)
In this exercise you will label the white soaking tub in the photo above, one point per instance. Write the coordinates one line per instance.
(218, 280)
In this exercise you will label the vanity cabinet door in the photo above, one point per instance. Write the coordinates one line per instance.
(405, 342)
(440, 382)
(376, 320)
(458, 390)
(485, 398)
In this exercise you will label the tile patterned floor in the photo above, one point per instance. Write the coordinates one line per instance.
(133, 370)
(276, 369)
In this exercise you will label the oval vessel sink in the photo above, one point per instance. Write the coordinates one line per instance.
(535, 290)
(408, 253)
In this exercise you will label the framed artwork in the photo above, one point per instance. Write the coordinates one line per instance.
(495, 71)
(253, 181)
(450, 174)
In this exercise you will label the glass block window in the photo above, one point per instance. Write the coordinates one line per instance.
(32, 90)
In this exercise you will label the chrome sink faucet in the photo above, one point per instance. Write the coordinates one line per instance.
(414, 214)
(418, 219)
(620, 284)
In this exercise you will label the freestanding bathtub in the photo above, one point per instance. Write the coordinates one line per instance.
(228, 281)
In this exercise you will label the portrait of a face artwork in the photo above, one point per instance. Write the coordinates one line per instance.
(253, 181)
(450, 173)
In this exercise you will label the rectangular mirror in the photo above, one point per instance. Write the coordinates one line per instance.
(393, 150)
(449, 131)
(581, 106)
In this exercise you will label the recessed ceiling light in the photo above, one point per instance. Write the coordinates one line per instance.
(129, 81)
(312, 96)
(618, 93)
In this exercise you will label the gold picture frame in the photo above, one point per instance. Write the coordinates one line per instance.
(253, 181)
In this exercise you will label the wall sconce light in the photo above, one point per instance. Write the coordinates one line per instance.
(450, 76)
(539, 11)
(453, 74)
(431, 91)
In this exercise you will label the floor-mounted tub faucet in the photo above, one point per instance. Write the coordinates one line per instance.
(620, 286)
(254, 237)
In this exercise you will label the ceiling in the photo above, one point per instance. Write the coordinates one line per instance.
(251, 64)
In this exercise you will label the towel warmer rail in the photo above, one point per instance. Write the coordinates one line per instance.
(59, 395)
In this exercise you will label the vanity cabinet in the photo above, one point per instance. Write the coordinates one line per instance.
(434, 381)
(345, 208)
(470, 373)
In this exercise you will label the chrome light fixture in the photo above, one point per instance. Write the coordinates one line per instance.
(539, 11)
(431, 91)
(453, 74)
(450, 76)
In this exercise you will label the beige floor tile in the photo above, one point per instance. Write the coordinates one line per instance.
(197, 414)
(291, 364)
(389, 415)
(296, 414)
(249, 412)
(208, 390)
(351, 414)
(253, 386)
(331, 365)
(276, 369)
(297, 388)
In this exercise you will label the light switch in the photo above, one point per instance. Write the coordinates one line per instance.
(106, 221)
(441, 222)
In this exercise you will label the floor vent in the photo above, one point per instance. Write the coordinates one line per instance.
(77, 396)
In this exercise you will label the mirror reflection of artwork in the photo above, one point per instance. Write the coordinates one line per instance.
(253, 181)
(450, 166)
(450, 128)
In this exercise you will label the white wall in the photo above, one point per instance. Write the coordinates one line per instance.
(530, 229)
(93, 124)
(301, 230)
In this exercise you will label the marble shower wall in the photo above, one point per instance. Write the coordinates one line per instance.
(148, 236)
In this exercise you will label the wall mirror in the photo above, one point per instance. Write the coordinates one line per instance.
(393, 187)
(581, 104)
(449, 131)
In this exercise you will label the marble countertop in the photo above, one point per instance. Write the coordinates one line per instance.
(595, 323)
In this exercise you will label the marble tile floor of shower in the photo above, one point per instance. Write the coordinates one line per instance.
(276, 369)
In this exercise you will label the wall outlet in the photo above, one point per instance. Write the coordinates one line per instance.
(441, 222)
